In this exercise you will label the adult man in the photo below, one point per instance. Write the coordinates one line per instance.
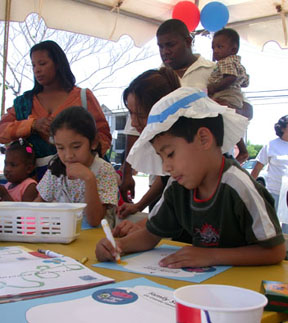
(174, 41)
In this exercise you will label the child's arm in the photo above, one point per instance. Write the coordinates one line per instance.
(253, 255)
(226, 81)
(256, 170)
(30, 193)
(140, 240)
(39, 199)
(126, 227)
(95, 210)
(4, 195)
(150, 196)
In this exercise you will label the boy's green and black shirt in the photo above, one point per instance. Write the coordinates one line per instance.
(240, 213)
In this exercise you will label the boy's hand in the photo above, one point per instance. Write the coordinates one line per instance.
(188, 256)
(105, 250)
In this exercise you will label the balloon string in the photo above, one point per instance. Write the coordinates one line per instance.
(282, 12)
(117, 8)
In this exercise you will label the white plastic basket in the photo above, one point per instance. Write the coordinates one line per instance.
(40, 222)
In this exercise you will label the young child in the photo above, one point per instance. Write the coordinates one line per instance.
(18, 169)
(230, 217)
(229, 76)
(77, 173)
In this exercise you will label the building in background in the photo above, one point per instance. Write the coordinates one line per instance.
(117, 121)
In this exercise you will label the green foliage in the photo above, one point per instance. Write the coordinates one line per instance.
(253, 150)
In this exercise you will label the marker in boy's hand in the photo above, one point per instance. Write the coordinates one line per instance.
(111, 239)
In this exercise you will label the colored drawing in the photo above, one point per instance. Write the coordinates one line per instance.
(23, 275)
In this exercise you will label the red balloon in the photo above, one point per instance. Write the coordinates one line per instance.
(187, 12)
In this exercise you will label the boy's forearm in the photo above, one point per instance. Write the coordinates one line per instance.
(254, 255)
(139, 240)
(248, 256)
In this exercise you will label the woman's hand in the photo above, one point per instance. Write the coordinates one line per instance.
(42, 127)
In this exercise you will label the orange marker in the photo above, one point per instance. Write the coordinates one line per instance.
(110, 237)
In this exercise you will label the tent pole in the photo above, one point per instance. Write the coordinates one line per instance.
(5, 52)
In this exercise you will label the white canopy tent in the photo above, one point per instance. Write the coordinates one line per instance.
(257, 21)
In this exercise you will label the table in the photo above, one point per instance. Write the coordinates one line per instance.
(247, 277)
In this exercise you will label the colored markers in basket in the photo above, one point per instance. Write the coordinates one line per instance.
(110, 237)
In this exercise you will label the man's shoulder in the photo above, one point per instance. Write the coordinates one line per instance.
(203, 62)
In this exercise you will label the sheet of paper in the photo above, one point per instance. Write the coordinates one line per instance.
(12, 254)
(139, 300)
(147, 263)
(24, 275)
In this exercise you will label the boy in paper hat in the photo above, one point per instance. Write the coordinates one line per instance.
(230, 216)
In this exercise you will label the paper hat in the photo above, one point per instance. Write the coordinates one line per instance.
(183, 102)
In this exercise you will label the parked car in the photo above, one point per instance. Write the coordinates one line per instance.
(116, 165)
(250, 164)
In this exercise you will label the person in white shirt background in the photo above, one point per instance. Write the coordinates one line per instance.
(275, 154)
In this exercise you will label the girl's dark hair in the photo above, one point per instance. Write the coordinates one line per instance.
(281, 125)
(25, 148)
(81, 121)
(187, 128)
(59, 58)
(150, 86)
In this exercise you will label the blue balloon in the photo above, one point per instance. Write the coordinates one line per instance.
(214, 16)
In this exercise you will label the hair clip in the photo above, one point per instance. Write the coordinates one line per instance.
(29, 150)
(21, 142)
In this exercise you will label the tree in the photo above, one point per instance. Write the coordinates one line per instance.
(96, 63)
(253, 150)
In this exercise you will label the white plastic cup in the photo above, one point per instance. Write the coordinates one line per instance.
(218, 304)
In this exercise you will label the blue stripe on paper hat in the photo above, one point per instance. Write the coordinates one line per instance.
(183, 102)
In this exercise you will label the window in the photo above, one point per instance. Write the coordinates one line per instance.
(120, 122)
